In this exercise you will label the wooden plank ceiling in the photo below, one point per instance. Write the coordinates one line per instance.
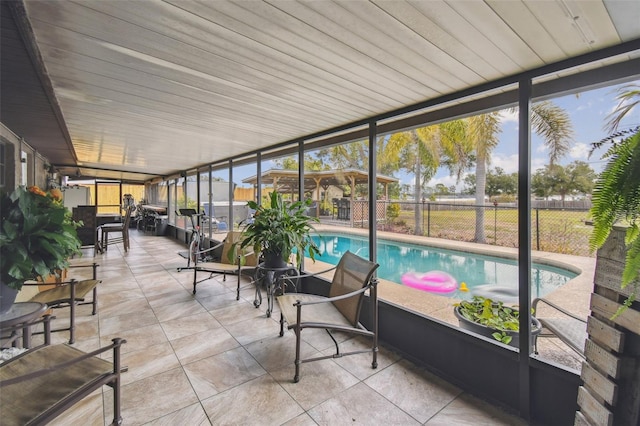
(154, 87)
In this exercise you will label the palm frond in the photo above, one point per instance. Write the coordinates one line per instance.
(554, 125)
(617, 198)
(628, 98)
(612, 138)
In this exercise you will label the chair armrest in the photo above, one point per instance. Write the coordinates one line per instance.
(84, 265)
(336, 298)
(209, 249)
(93, 265)
(311, 274)
(57, 284)
(535, 302)
(115, 346)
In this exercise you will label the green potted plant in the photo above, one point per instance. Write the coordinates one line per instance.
(37, 237)
(493, 319)
(278, 229)
(616, 197)
(616, 235)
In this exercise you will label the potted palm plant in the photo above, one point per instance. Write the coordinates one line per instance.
(37, 237)
(279, 229)
(491, 318)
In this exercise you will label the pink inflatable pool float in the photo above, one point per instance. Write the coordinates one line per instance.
(433, 281)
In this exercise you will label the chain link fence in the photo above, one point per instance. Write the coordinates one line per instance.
(553, 229)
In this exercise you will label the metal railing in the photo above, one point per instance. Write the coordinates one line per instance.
(557, 230)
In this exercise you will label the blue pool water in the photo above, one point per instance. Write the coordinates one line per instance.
(396, 258)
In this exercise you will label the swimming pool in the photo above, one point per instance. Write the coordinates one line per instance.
(396, 258)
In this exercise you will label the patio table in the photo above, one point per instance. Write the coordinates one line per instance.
(269, 277)
(21, 313)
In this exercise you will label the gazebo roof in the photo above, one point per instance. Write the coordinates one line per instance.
(287, 180)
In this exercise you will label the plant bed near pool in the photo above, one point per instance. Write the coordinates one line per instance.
(501, 321)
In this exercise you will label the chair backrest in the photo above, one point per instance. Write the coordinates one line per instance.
(127, 220)
(352, 273)
(232, 238)
(127, 217)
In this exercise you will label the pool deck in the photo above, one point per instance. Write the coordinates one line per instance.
(573, 296)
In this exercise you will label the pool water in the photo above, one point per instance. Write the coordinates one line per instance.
(396, 258)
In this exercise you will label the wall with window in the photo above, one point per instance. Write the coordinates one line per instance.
(20, 163)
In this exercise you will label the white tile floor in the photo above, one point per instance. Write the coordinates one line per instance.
(209, 359)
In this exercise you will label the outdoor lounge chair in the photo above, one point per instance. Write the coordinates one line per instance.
(339, 311)
(224, 266)
(560, 323)
(43, 382)
(68, 294)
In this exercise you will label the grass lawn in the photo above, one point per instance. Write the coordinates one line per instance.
(558, 231)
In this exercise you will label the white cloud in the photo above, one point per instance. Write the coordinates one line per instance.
(585, 105)
(541, 149)
(508, 163)
(507, 115)
(538, 163)
(447, 181)
(580, 151)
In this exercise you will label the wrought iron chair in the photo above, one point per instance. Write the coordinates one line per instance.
(223, 266)
(560, 323)
(42, 383)
(340, 311)
(70, 294)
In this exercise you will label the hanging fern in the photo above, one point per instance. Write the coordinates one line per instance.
(616, 198)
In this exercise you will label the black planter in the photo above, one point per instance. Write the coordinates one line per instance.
(483, 330)
(274, 260)
(7, 297)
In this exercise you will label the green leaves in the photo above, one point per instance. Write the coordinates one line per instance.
(491, 314)
(281, 227)
(617, 198)
(36, 238)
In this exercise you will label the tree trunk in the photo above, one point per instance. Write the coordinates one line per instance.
(481, 183)
(418, 196)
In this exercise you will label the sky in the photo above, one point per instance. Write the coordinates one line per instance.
(588, 112)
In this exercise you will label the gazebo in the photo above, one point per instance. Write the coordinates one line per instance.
(287, 182)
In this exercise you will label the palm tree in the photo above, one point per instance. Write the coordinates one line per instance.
(418, 152)
(421, 151)
(483, 134)
(548, 120)
(553, 124)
